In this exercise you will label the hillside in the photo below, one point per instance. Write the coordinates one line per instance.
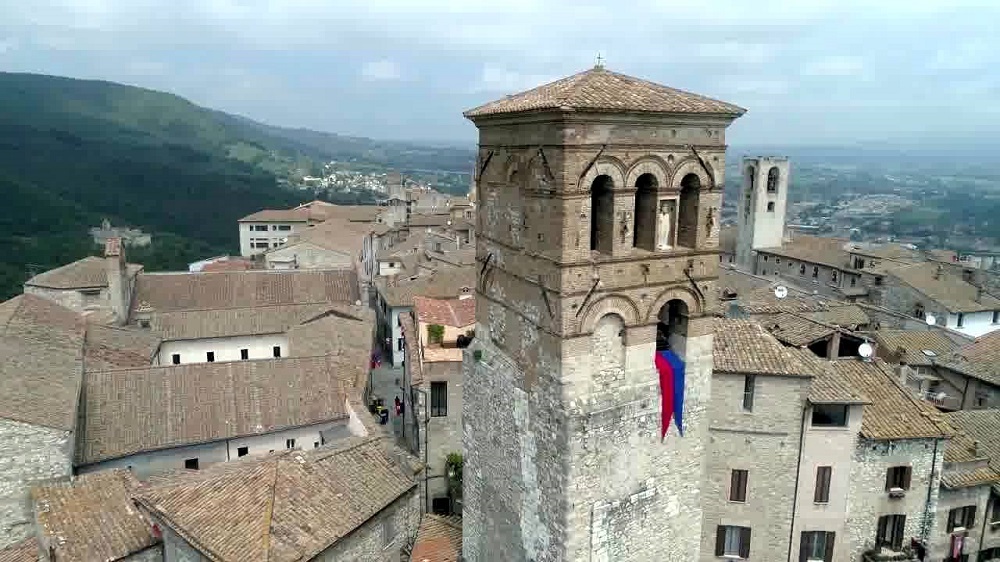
(75, 151)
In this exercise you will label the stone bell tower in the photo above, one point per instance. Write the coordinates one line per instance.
(599, 199)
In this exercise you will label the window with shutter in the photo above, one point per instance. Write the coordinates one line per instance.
(890, 532)
(898, 477)
(822, 492)
(961, 517)
(738, 485)
(816, 546)
(732, 541)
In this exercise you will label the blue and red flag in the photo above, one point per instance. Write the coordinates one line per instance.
(671, 370)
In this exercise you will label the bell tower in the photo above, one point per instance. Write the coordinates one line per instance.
(761, 208)
(598, 201)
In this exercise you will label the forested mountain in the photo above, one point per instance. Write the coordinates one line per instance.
(75, 151)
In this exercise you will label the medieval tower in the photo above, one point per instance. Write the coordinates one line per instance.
(761, 208)
(599, 199)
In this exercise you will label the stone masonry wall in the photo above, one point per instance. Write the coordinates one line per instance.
(444, 433)
(28, 454)
(978, 496)
(868, 500)
(765, 442)
(367, 544)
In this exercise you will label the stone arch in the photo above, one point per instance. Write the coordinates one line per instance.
(605, 166)
(695, 306)
(602, 214)
(649, 165)
(608, 344)
(646, 205)
(691, 166)
(611, 304)
(773, 178)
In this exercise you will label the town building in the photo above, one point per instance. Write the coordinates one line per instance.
(761, 207)
(128, 236)
(270, 228)
(99, 287)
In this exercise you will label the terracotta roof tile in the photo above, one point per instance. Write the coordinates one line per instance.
(439, 539)
(41, 344)
(598, 89)
(411, 348)
(87, 273)
(24, 551)
(197, 324)
(894, 413)
(829, 386)
(813, 249)
(846, 316)
(134, 410)
(92, 517)
(755, 295)
(443, 283)
(285, 507)
(913, 342)
(743, 346)
(979, 359)
(980, 428)
(278, 215)
(457, 313)
(171, 292)
(111, 346)
(336, 234)
(949, 291)
(967, 478)
(796, 330)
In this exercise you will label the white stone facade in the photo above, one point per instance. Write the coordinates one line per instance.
(224, 349)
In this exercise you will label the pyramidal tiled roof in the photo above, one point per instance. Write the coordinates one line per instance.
(599, 89)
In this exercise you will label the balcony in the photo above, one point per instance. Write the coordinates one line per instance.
(886, 555)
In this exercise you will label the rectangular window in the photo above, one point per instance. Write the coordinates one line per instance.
(738, 485)
(210, 357)
(175, 359)
(732, 541)
(401, 344)
(815, 272)
(961, 320)
(829, 415)
(191, 464)
(260, 227)
(817, 546)
(833, 276)
(284, 227)
(802, 269)
(770, 206)
(890, 532)
(244, 354)
(898, 477)
(854, 281)
(996, 316)
(388, 532)
(962, 517)
(748, 386)
(242, 451)
(289, 443)
(822, 492)
(276, 351)
(315, 444)
(439, 399)
(878, 281)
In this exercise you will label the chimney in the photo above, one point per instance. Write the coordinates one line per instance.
(117, 272)
(979, 293)
(937, 272)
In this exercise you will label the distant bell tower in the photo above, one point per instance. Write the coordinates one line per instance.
(761, 207)
(598, 200)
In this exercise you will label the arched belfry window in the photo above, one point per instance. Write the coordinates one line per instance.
(602, 214)
(644, 235)
(772, 179)
(751, 176)
(687, 215)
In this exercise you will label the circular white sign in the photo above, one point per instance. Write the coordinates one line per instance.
(781, 291)
(866, 350)
(931, 320)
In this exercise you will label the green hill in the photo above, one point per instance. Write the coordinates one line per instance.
(75, 151)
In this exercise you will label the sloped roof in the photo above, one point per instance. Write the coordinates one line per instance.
(743, 346)
(134, 410)
(197, 324)
(439, 539)
(979, 359)
(828, 385)
(806, 248)
(41, 346)
(979, 427)
(111, 346)
(92, 517)
(950, 291)
(456, 312)
(914, 342)
(24, 551)
(87, 273)
(335, 234)
(755, 295)
(845, 316)
(278, 215)
(338, 331)
(443, 283)
(289, 506)
(797, 330)
(171, 292)
(894, 413)
(598, 89)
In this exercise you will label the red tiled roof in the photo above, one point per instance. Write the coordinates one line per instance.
(438, 540)
(446, 312)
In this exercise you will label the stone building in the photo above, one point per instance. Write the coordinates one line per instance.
(599, 199)
(761, 207)
(969, 504)
(926, 289)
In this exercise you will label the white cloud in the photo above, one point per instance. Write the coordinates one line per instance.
(501, 80)
(380, 70)
(837, 65)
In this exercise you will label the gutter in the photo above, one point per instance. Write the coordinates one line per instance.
(427, 420)
(930, 490)
(798, 472)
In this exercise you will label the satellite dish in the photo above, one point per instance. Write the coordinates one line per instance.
(931, 320)
(866, 350)
(781, 291)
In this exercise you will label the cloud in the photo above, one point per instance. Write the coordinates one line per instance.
(496, 79)
(380, 71)
(837, 65)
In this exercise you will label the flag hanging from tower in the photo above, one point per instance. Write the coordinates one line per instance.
(671, 370)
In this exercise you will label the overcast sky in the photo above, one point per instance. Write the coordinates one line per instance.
(809, 71)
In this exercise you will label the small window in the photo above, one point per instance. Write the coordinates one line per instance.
(817, 546)
(260, 227)
(284, 227)
(738, 485)
(244, 354)
(191, 464)
(439, 399)
(815, 272)
(878, 281)
(732, 541)
(996, 316)
(401, 344)
(388, 532)
(276, 351)
(833, 276)
(964, 517)
(315, 444)
(961, 320)
(289, 443)
(777, 261)
(748, 388)
(764, 273)
(210, 357)
(772, 179)
(175, 359)
(441, 505)
(765, 258)
(822, 492)
(829, 415)
(898, 477)
(854, 281)
(890, 532)
(802, 269)
(242, 451)
(770, 206)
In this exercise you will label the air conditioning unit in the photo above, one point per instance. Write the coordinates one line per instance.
(896, 492)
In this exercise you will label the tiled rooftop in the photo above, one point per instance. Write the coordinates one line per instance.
(456, 312)
(829, 386)
(743, 346)
(24, 551)
(216, 323)
(979, 359)
(949, 291)
(913, 342)
(110, 347)
(87, 273)
(598, 89)
(797, 330)
(444, 283)
(439, 539)
(285, 507)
